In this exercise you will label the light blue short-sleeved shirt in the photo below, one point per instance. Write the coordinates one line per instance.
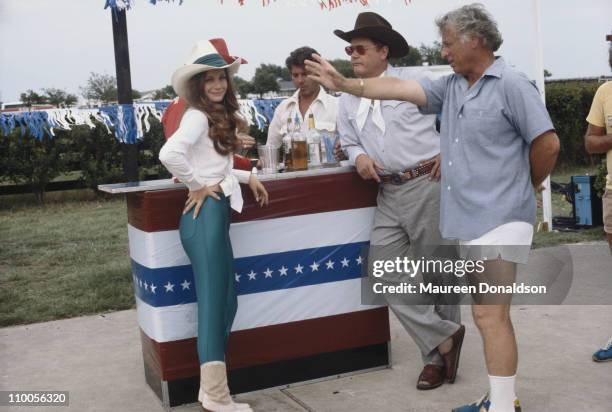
(485, 136)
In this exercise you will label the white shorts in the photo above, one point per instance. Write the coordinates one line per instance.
(510, 242)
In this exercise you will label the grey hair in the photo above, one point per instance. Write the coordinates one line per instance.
(472, 20)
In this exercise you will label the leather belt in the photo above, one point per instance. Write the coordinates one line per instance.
(400, 178)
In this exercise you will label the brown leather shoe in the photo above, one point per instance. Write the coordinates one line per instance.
(431, 377)
(451, 359)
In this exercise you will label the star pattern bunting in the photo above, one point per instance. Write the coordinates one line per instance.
(254, 274)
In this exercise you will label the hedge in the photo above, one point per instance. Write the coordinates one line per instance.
(568, 104)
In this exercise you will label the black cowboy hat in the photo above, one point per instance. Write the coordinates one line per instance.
(375, 27)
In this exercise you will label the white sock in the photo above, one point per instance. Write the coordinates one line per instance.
(502, 393)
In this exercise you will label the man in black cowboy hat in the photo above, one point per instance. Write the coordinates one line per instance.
(393, 144)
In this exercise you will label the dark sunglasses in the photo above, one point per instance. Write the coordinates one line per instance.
(361, 50)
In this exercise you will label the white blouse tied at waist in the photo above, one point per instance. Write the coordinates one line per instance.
(189, 154)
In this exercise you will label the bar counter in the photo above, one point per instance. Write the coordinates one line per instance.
(297, 271)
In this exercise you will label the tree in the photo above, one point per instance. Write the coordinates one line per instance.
(243, 87)
(165, 93)
(59, 98)
(30, 97)
(343, 66)
(265, 78)
(547, 74)
(432, 54)
(102, 87)
(136, 94)
(413, 58)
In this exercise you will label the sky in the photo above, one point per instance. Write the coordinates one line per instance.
(57, 43)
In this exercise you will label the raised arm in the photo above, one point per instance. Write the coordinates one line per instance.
(385, 88)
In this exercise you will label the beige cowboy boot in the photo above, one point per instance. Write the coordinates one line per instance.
(214, 393)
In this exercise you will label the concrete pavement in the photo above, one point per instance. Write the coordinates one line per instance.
(98, 359)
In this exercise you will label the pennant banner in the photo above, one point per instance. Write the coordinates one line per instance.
(129, 121)
(323, 4)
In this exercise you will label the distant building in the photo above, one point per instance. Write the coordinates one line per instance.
(286, 87)
(592, 79)
(22, 107)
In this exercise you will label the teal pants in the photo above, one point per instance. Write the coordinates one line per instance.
(207, 244)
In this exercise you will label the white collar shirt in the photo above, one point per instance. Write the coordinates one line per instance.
(324, 109)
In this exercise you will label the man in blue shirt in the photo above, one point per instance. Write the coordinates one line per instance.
(498, 145)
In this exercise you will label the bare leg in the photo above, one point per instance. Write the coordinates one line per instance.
(492, 317)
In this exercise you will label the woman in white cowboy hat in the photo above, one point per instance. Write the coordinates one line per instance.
(200, 155)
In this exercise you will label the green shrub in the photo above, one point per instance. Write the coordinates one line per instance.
(28, 160)
(569, 104)
(96, 153)
(600, 181)
(148, 152)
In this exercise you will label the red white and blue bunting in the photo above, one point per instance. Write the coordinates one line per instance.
(118, 5)
(128, 121)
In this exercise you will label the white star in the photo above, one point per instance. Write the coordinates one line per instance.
(314, 267)
(268, 273)
(185, 284)
(359, 260)
(140, 282)
(237, 276)
(153, 287)
(298, 268)
(330, 264)
(169, 287)
(252, 275)
(283, 271)
(345, 262)
(146, 285)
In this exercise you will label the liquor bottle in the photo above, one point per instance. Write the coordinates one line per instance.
(299, 150)
(286, 146)
(313, 138)
(324, 159)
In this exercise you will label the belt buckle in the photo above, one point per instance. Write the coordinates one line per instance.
(396, 179)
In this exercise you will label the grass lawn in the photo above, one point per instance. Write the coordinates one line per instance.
(64, 259)
(70, 257)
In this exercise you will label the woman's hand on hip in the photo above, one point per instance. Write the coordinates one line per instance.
(196, 199)
(259, 191)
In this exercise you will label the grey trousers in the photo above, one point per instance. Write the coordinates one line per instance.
(406, 223)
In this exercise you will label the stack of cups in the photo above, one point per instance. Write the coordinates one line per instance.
(268, 155)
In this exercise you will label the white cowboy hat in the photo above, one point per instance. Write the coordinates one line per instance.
(205, 55)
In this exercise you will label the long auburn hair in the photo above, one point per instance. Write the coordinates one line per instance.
(224, 118)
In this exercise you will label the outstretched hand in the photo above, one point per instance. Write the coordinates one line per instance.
(321, 71)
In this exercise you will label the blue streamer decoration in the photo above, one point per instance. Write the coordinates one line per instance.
(120, 117)
(116, 5)
(153, 2)
(161, 106)
(266, 107)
